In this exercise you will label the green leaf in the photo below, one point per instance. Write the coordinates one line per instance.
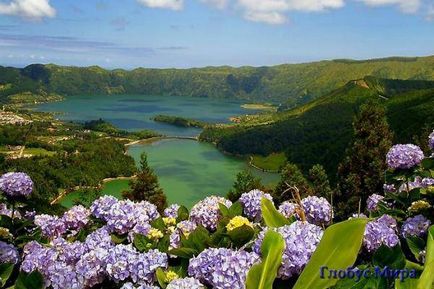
(241, 235)
(158, 224)
(236, 209)
(33, 280)
(182, 214)
(427, 278)
(428, 163)
(391, 257)
(142, 243)
(161, 278)
(117, 239)
(416, 245)
(262, 275)
(199, 239)
(223, 210)
(186, 253)
(338, 249)
(5, 273)
(271, 216)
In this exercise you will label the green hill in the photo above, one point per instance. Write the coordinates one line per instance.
(289, 84)
(319, 131)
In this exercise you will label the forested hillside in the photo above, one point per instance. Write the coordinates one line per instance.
(288, 84)
(319, 131)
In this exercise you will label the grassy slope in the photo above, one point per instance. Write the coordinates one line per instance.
(295, 83)
(319, 131)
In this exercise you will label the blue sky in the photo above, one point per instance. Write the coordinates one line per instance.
(196, 33)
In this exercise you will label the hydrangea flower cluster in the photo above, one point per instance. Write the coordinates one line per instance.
(431, 141)
(251, 202)
(318, 210)
(185, 228)
(207, 212)
(172, 211)
(222, 268)
(427, 182)
(288, 209)
(8, 253)
(185, 283)
(122, 216)
(66, 265)
(389, 188)
(381, 232)
(76, 218)
(416, 226)
(130, 285)
(373, 201)
(404, 156)
(301, 240)
(5, 211)
(16, 184)
(51, 226)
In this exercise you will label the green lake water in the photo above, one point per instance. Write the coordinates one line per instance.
(188, 170)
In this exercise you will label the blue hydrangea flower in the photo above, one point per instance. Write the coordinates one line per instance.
(144, 267)
(91, 267)
(373, 201)
(318, 211)
(76, 217)
(8, 253)
(185, 283)
(431, 141)
(101, 207)
(51, 226)
(427, 182)
(16, 184)
(172, 211)
(416, 226)
(389, 188)
(251, 203)
(222, 268)
(207, 211)
(288, 209)
(301, 240)
(381, 232)
(404, 156)
(100, 238)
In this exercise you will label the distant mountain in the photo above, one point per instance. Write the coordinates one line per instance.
(288, 84)
(320, 131)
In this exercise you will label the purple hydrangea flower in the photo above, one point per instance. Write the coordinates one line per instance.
(101, 207)
(63, 276)
(251, 202)
(416, 226)
(207, 211)
(8, 253)
(16, 184)
(68, 253)
(76, 218)
(404, 156)
(318, 210)
(301, 240)
(51, 226)
(222, 268)
(100, 238)
(144, 267)
(185, 228)
(373, 201)
(141, 228)
(408, 186)
(91, 267)
(4, 211)
(389, 188)
(130, 285)
(288, 209)
(381, 232)
(427, 182)
(358, 216)
(185, 283)
(172, 211)
(431, 140)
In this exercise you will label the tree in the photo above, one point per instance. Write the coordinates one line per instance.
(361, 173)
(244, 182)
(320, 182)
(145, 186)
(291, 175)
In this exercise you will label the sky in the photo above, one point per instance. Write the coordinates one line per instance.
(196, 33)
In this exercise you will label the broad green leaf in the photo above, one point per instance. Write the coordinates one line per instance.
(161, 278)
(338, 249)
(427, 278)
(223, 210)
(33, 280)
(390, 257)
(142, 243)
(428, 163)
(158, 224)
(262, 275)
(416, 245)
(5, 273)
(182, 214)
(186, 253)
(241, 235)
(236, 209)
(117, 239)
(271, 216)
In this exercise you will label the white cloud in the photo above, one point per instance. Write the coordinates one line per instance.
(430, 13)
(407, 6)
(30, 9)
(166, 4)
(220, 4)
(273, 11)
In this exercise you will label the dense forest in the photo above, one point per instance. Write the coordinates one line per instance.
(320, 131)
(288, 84)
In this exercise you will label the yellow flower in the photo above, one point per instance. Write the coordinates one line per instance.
(155, 234)
(237, 222)
(419, 206)
(170, 276)
(171, 229)
(169, 221)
